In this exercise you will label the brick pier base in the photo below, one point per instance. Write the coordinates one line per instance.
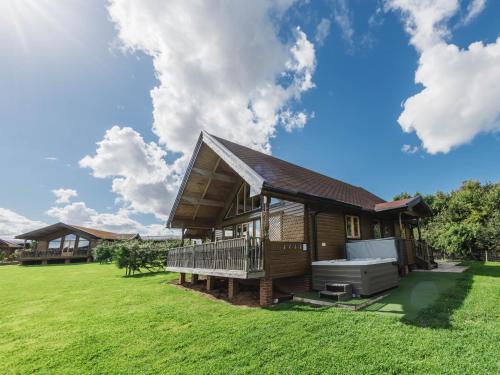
(44, 262)
(194, 279)
(232, 288)
(266, 292)
(67, 261)
(182, 278)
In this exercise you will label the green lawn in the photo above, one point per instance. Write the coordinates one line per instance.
(81, 319)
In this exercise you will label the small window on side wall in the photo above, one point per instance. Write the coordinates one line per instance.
(352, 226)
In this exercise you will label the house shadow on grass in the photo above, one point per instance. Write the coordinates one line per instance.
(427, 299)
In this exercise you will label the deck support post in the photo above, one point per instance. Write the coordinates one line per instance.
(67, 261)
(232, 288)
(266, 292)
(194, 279)
(210, 282)
(182, 278)
(44, 262)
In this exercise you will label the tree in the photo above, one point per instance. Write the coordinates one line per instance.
(464, 221)
(136, 256)
(103, 253)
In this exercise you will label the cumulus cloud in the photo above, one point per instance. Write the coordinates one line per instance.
(461, 91)
(77, 213)
(140, 176)
(13, 224)
(64, 195)
(222, 68)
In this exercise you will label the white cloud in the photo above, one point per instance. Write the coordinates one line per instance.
(474, 8)
(64, 195)
(222, 68)
(461, 94)
(13, 224)
(78, 213)
(409, 149)
(141, 177)
(51, 158)
(322, 31)
(343, 19)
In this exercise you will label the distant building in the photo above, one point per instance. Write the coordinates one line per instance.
(9, 246)
(66, 243)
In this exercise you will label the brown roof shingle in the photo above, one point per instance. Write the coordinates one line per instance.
(283, 175)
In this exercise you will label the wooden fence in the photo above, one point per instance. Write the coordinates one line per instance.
(239, 254)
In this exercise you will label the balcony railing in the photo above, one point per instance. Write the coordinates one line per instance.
(52, 254)
(241, 257)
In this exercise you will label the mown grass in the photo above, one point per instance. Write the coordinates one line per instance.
(88, 319)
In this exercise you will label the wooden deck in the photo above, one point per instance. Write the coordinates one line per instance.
(30, 256)
(241, 258)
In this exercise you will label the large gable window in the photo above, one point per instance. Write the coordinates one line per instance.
(352, 226)
(242, 202)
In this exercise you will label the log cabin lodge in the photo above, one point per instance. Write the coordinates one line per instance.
(267, 222)
(65, 243)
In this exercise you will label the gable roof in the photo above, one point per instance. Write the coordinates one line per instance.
(217, 166)
(11, 243)
(94, 233)
(416, 202)
(222, 160)
(282, 175)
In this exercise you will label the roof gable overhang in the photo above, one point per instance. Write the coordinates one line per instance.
(47, 231)
(415, 206)
(237, 166)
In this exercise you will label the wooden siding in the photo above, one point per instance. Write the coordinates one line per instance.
(366, 226)
(330, 237)
(285, 259)
(292, 222)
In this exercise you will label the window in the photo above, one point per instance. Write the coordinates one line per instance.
(55, 244)
(242, 202)
(83, 244)
(69, 242)
(352, 226)
(377, 231)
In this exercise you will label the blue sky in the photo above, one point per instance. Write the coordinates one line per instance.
(68, 77)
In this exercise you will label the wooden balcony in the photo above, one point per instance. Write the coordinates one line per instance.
(241, 258)
(35, 255)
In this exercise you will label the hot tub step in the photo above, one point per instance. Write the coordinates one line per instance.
(339, 287)
(339, 296)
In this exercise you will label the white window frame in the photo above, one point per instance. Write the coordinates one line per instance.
(351, 219)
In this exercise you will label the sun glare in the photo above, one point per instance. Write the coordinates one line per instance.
(38, 22)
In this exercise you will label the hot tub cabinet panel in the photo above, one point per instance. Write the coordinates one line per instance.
(367, 277)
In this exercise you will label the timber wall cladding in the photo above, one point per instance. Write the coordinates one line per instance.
(286, 223)
(286, 258)
(330, 235)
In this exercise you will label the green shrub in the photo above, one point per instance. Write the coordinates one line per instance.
(135, 255)
(103, 253)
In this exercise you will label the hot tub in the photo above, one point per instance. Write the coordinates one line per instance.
(367, 276)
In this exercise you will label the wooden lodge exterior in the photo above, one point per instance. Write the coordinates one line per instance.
(9, 247)
(65, 243)
(267, 220)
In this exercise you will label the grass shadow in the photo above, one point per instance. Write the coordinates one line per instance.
(438, 315)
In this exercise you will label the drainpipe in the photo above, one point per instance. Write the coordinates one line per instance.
(315, 234)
